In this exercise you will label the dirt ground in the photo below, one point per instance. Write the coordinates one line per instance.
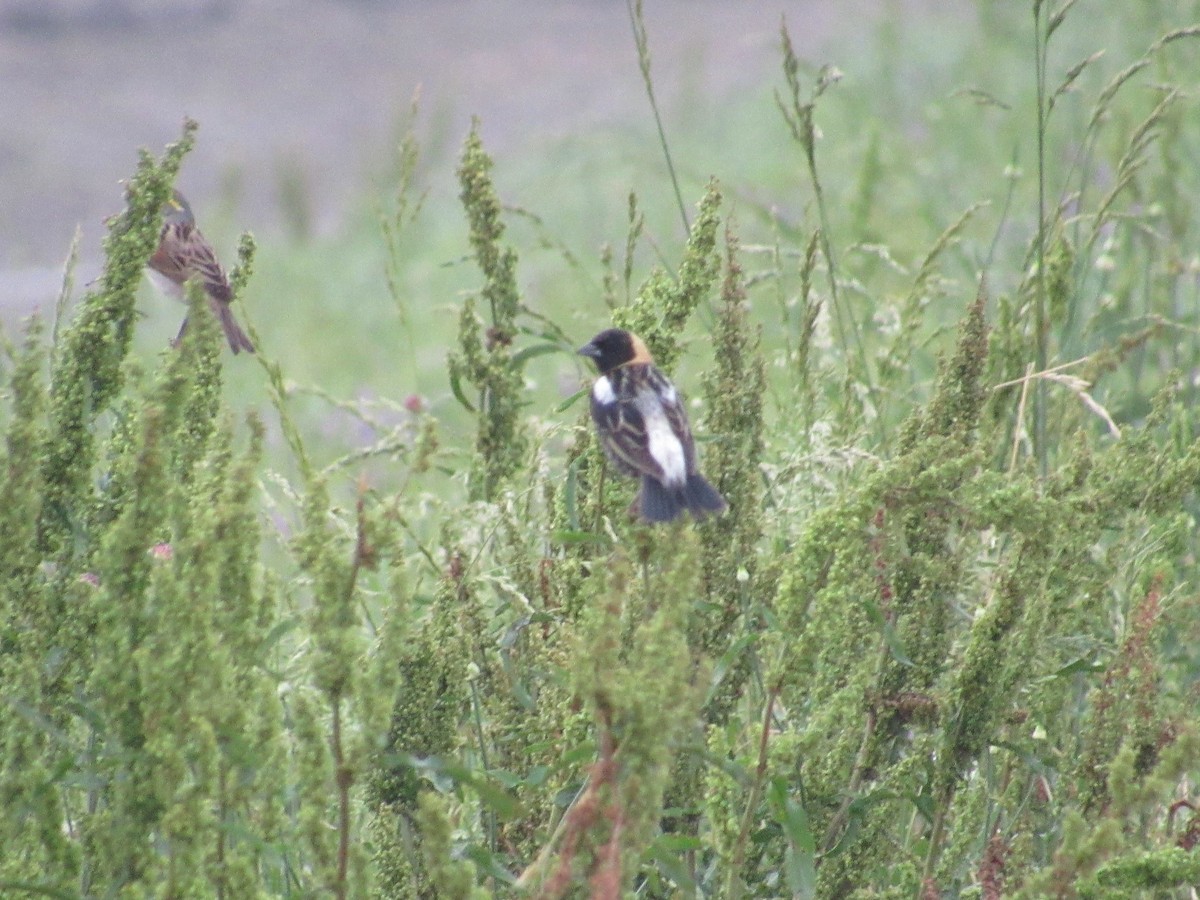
(318, 87)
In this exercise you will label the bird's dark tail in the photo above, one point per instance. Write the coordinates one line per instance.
(701, 497)
(658, 504)
(233, 332)
(661, 504)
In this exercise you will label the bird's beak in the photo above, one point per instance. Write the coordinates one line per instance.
(589, 350)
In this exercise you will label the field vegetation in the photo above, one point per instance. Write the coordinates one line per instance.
(363, 615)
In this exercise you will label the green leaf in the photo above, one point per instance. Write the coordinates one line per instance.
(1082, 664)
(570, 401)
(571, 496)
(495, 797)
(800, 866)
(492, 795)
(567, 536)
(725, 663)
(488, 862)
(855, 814)
(579, 753)
(456, 389)
(520, 693)
(567, 795)
(894, 644)
(527, 353)
(275, 635)
(663, 852)
(38, 890)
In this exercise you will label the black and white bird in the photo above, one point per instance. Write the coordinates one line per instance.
(644, 430)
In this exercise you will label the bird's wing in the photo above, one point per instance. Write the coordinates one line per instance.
(672, 406)
(167, 260)
(202, 261)
(184, 253)
(623, 436)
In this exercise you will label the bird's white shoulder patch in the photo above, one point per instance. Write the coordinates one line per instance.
(602, 391)
(669, 395)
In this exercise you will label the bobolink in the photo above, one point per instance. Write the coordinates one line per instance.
(183, 253)
(644, 430)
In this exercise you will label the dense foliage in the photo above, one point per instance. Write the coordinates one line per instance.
(943, 644)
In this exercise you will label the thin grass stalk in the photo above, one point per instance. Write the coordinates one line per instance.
(344, 779)
(406, 205)
(733, 885)
(1041, 352)
(66, 289)
(481, 743)
(642, 41)
(838, 822)
(799, 117)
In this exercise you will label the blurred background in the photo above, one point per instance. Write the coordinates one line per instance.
(300, 102)
(303, 107)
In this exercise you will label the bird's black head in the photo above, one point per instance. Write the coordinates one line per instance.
(613, 348)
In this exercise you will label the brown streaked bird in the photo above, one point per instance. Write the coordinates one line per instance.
(644, 430)
(184, 253)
